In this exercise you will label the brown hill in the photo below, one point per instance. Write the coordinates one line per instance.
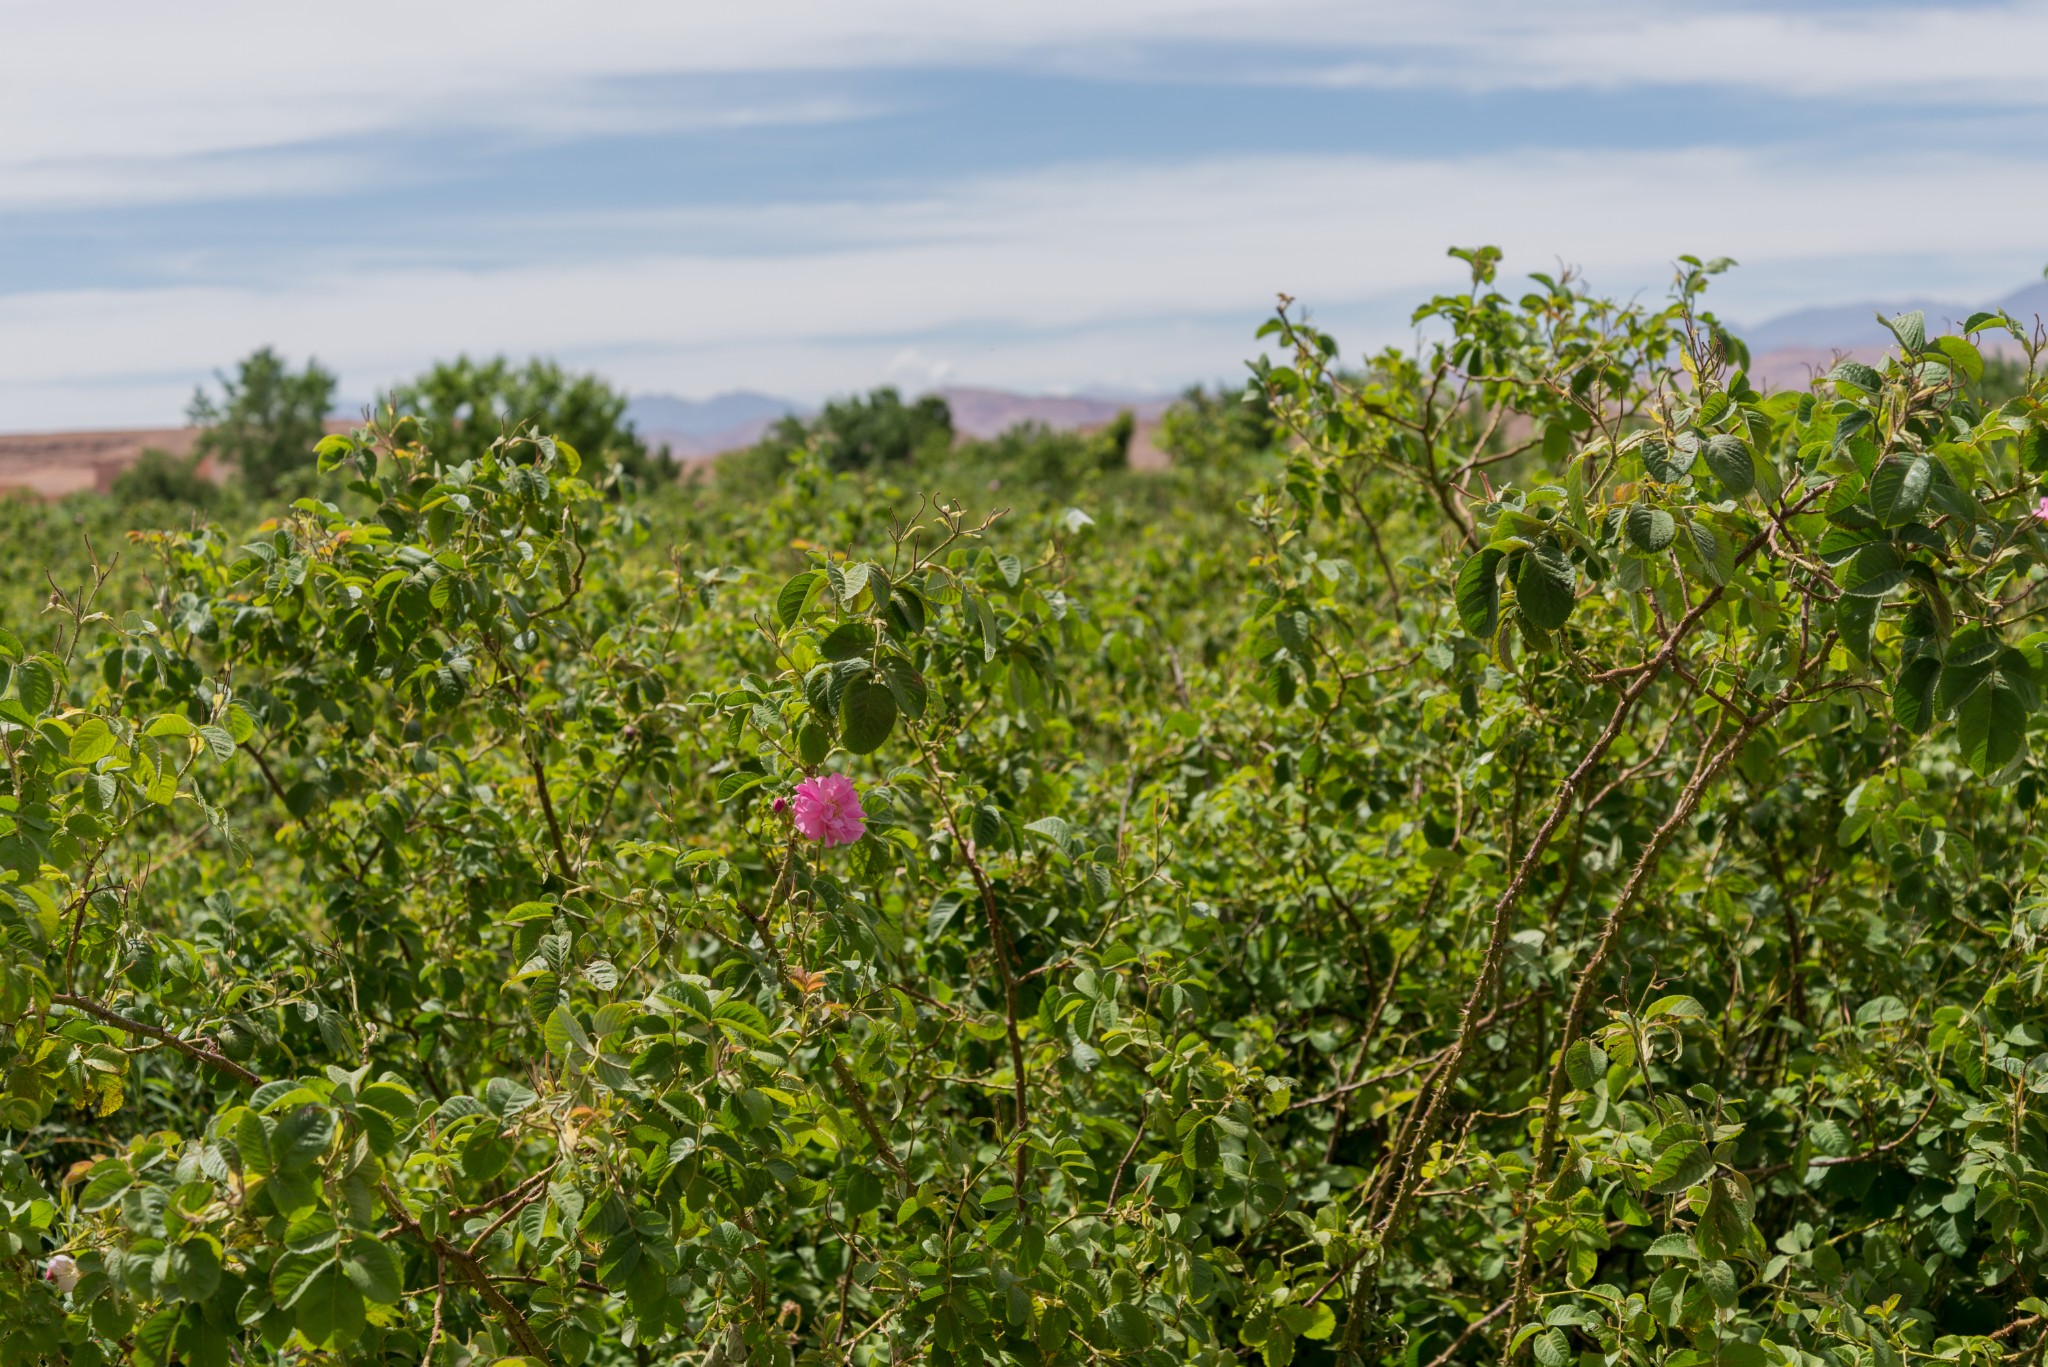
(53, 464)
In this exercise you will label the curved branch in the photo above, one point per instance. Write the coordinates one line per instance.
(194, 1049)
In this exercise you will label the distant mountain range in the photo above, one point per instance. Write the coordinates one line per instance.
(1785, 350)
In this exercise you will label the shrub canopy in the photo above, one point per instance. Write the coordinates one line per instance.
(1520, 849)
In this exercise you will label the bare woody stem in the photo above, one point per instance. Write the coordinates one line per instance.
(856, 1095)
(999, 938)
(508, 1314)
(547, 806)
(1708, 768)
(1407, 1164)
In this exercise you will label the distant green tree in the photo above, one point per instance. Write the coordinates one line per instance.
(266, 420)
(2005, 376)
(468, 404)
(158, 476)
(1216, 430)
(861, 433)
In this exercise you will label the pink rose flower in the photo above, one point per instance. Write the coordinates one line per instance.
(828, 809)
(63, 1270)
(2041, 508)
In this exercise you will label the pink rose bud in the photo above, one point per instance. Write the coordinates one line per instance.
(828, 810)
(63, 1270)
(779, 806)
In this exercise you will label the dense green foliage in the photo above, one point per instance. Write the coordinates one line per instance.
(861, 432)
(1523, 848)
(160, 477)
(469, 405)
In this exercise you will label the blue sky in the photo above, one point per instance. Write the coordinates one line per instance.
(807, 198)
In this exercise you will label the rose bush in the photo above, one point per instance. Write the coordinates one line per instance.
(1521, 849)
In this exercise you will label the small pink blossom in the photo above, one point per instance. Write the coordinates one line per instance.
(828, 809)
(2041, 508)
(63, 1270)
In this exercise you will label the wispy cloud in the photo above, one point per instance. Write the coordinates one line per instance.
(137, 82)
(986, 279)
(801, 194)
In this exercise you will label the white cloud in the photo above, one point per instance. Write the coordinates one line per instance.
(95, 93)
(1134, 276)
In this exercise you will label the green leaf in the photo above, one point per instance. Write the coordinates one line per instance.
(1543, 585)
(375, 1270)
(847, 641)
(733, 784)
(907, 684)
(1667, 1295)
(1199, 1148)
(91, 742)
(1832, 1138)
(564, 1033)
(1708, 551)
(1129, 1326)
(1963, 356)
(302, 1138)
(194, 1266)
(795, 596)
(907, 611)
(1725, 1225)
(1899, 487)
(329, 1307)
(1721, 1283)
(863, 1191)
(1649, 529)
(35, 683)
(1478, 594)
(1585, 1063)
(1965, 666)
(1855, 621)
(240, 724)
(813, 743)
(1950, 497)
(1991, 723)
(314, 1232)
(1856, 375)
(1910, 328)
(1553, 1347)
(867, 714)
(1679, 1166)
(1728, 457)
(1873, 571)
(109, 1180)
(1672, 1246)
(1913, 693)
(1666, 463)
(1557, 442)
